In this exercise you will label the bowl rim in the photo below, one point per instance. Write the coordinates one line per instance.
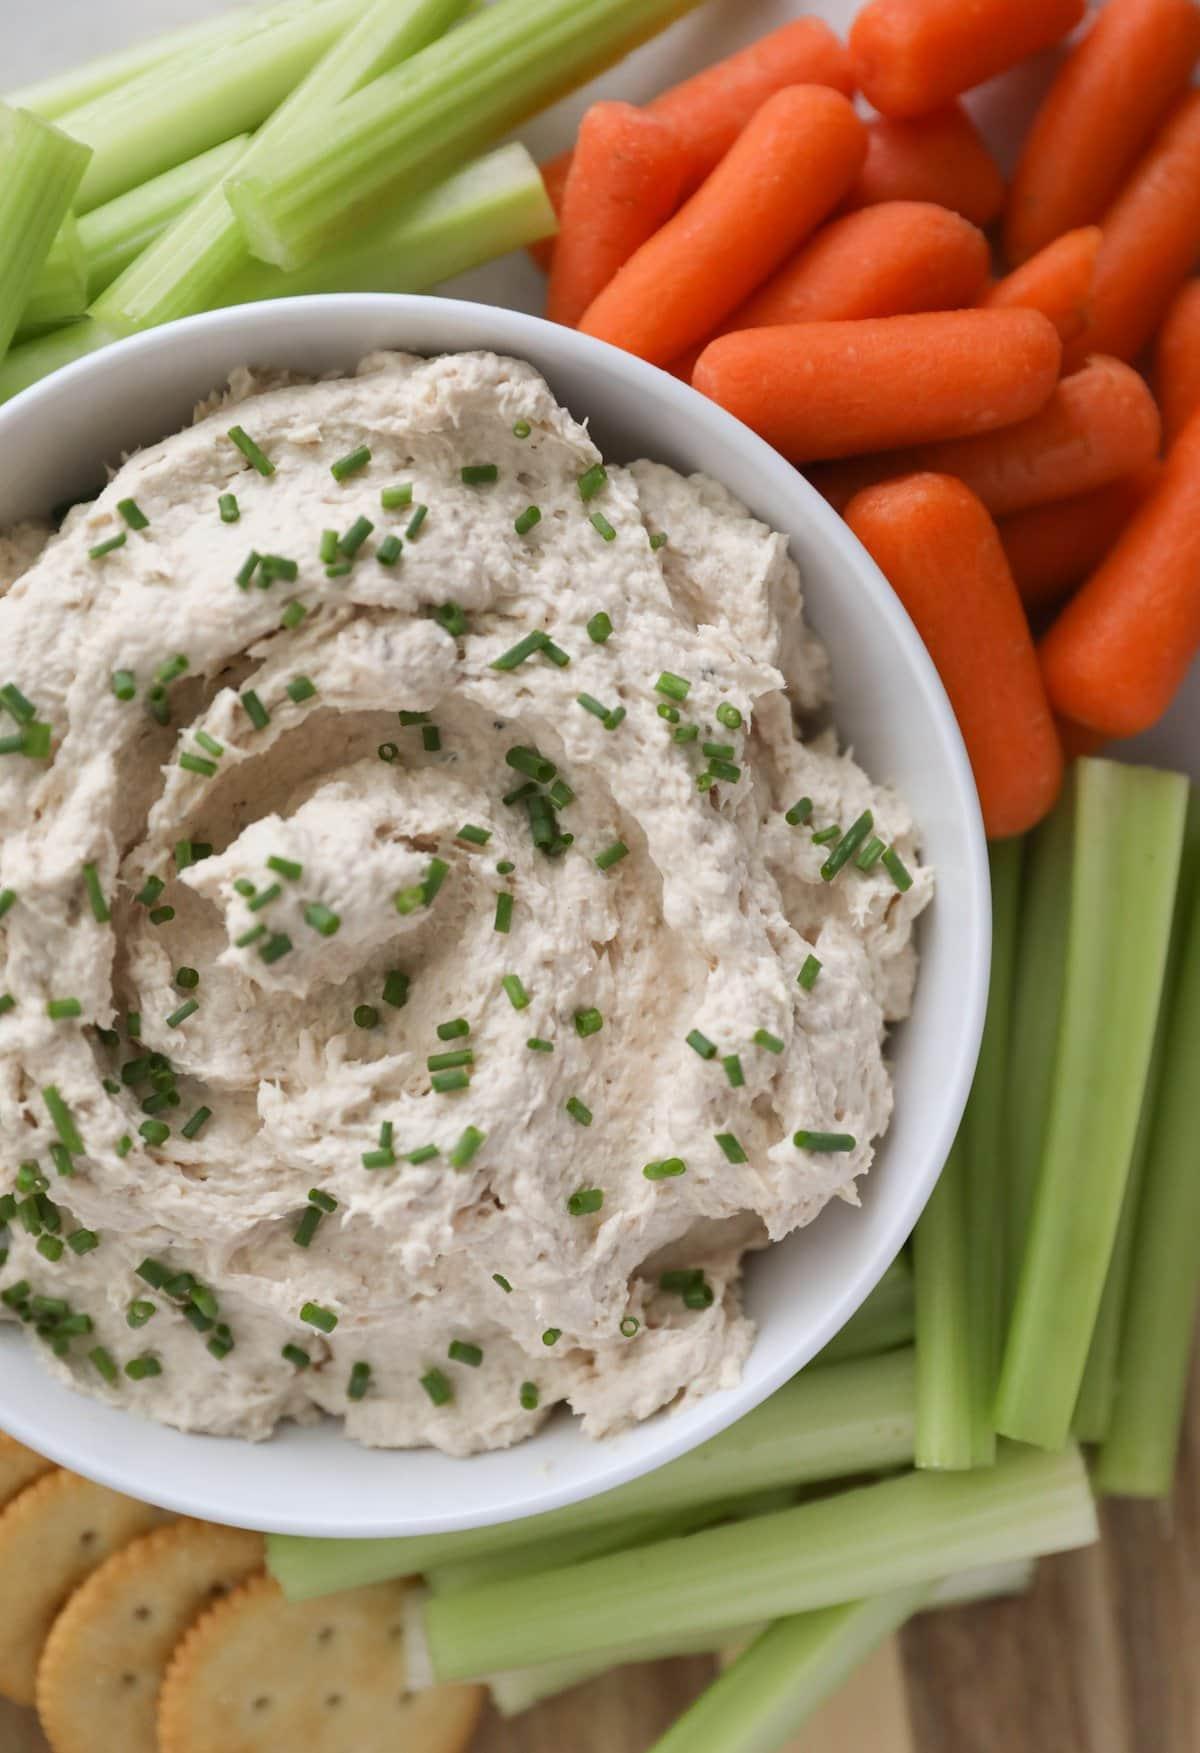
(121, 365)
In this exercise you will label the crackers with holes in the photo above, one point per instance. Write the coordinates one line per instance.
(104, 1661)
(259, 1674)
(19, 1467)
(52, 1536)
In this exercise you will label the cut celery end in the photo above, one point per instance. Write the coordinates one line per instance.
(884, 1322)
(1139, 1455)
(829, 1423)
(945, 1400)
(40, 170)
(33, 360)
(179, 108)
(415, 123)
(1127, 843)
(765, 1695)
(114, 235)
(903, 1531)
(60, 292)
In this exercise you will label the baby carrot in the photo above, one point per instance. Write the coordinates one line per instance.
(939, 157)
(1108, 98)
(1150, 243)
(785, 172)
(1116, 655)
(626, 179)
(834, 389)
(1100, 424)
(1057, 281)
(1077, 739)
(1177, 362)
(939, 549)
(1053, 548)
(709, 111)
(909, 56)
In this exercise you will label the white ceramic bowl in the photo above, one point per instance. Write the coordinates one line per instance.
(889, 704)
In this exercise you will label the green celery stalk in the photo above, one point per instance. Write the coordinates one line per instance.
(416, 122)
(885, 1321)
(183, 107)
(40, 169)
(848, 1419)
(1036, 1007)
(59, 293)
(53, 97)
(909, 1529)
(1138, 1458)
(1128, 839)
(192, 265)
(946, 1403)
(116, 234)
(765, 1695)
(33, 360)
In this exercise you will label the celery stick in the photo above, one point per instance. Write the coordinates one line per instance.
(456, 97)
(883, 1322)
(1138, 1459)
(946, 1402)
(40, 170)
(59, 293)
(765, 1695)
(33, 360)
(116, 234)
(180, 108)
(1128, 838)
(53, 97)
(192, 266)
(902, 1531)
(830, 1423)
(1036, 1006)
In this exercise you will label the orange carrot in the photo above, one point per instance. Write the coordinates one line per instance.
(834, 389)
(1100, 114)
(1150, 243)
(885, 261)
(1052, 548)
(626, 179)
(1077, 739)
(709, 111)
(787, 170)
(938, 158)
(1099, 425)
(1120, 649)
(940, 551)
(1057, 281)
(1177, 362)
(909, 56)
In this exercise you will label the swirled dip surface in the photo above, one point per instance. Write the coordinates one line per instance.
(274, 855)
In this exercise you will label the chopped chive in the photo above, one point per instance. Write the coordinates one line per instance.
(528, 520)
(670, 713)
(533, 765)
(108, 547)
(674, 687)
(7, 1003)
(435, 876)
(49, 1247)
(388, 752)
(444, 1083)
(764, 1038)
(592, 481)
(228, 506)
(99, 906)
(535, 1044)
(408, 900)
(21, 708)
(397, 497)
(133, 514)
(293, 615)
(366, 1016)
(389, 550)
(552, 1335)
(590, 704)
(700, 1044)
(316, 1315)
(286, 867)
(658, 540)
(133, 1024)
(584, 1201)
(277, 566)
(221, 1343)
(178, 1017)
(521, 429)
(322, 918)
(251, 451)
(264, 898)
(360, 1381)
(896, 869)
(729, 716)
(300, 688)
(155, 1132)
(479, 474)
(340, 569)
(351, 540)
(123, 1145)
(556, 655)
(599, 628)
(437, 1387)
(718, 751)
(197, 764)
(209, 744)
(454, 1030)
(871, 853)
(518, 653)
(275, 947)
(7, 899)
(448, 1060)
(667, 1170)
(420, 513)
(602, 526)
(34, 741)
(141, 1369)
(307, 1228)
(352, 463)
(453, 618)
(611, 855)
(295, 1356)
(466, 1147)
(463, 1351)
(824, 836)
(725, 770)
(588, 1022)
(505, 1286)
(733, 1070)
(379, 1159)
(799, 812)
(194, 1127)
(63, 1123)
(83, 1241)
(823, 1141)
(395, 989)
(520, 793)
(578, 1111)
(561, 795)
(685, 733)
(473, 835)
(847, 846)
(517, 995)
(431, 738)
(187, 979)
(161, 915)
(123, 684)
(807, 977)
(424, 1153)
(247, 569)
(327, 547)
(102, 1362)
(248, 937)
(731, 1147)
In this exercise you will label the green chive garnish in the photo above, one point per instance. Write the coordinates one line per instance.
(529, 1396)
(533, 765)
(725, 770)
(209, 743)
(825, 836)
(286, 867)
(7, 898)
(103, 1363)
(896, 869)
(717, 751)
(670, 713)
(517, 995)
(366, 1016)
(307, 1228)
(327, 547)
(141, 1369)
(823, 1141)
(352, 539)
(133, 514)
(517, 654)
(437, 1387)
(351, 464)
(197, 764)
(264, 899)
(584, 1201)
(228, 506)
(435, 876)
(732, 1149)
(592, 481)
(63, 1123)
(194, 1127)
(293, 615)
(602, 526)
(360, 1380)
(21, 708)
(389, 550)
(729, 716)
(275, 947)
(247, 569)
(453, 618)
(685, 733)
(316, 1315)
(454, 1030)
(155, 1132)
(599, 628)
(521, 429)
(322, 918)
(589, 702)
(667, 1170)
(256, 712)
(395, 989)
(50, 1248)
(178, 1017)
(83, 1241)
(588, 1022)
(528, 520)
(578, 1111)
(253, 455)
(277, 566)
(505, 1286)
(424, 1153)
(847, 846)
(764, 1038)
(95, 894)
(674, 687)
(561, 795)
(700, 1044)
(108, 547)
(535, 1044)
(388, 752)
(420, 513)
(807, 977)
(161, 915)
(799, 812)
(555, 654)
(7, 1003)
(871, 853)
(395, 498)
(431, 738)
(611, 855)
(448, 1060)
(479, 474)
(187, 979)
(124, 684)
(295, 1356)
(300, 688)
(658, 540)
(462, 1351)
(552, 1335)
(444, 1083)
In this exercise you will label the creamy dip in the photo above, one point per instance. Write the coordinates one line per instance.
(423, 976)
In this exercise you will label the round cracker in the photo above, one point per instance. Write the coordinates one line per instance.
(52, 1535)
(259, 1673)
(103, 1664)
(19, 1467)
